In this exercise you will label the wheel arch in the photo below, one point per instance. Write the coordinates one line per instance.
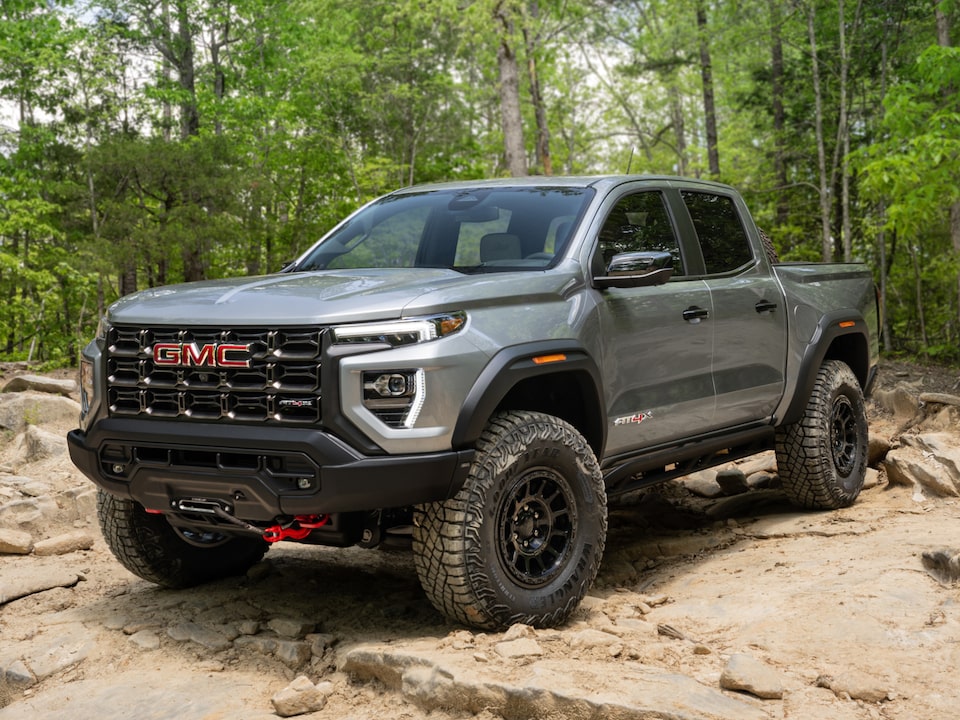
(553, 377)
(841, 335)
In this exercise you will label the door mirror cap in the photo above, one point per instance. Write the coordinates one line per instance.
(636, 269)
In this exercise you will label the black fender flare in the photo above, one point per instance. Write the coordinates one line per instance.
(517, 363)
(845, 324)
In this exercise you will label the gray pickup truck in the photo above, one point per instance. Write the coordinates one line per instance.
(480, 365)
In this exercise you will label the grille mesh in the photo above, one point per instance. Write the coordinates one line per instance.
(281, 386)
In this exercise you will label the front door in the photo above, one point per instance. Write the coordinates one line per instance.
(658, 340)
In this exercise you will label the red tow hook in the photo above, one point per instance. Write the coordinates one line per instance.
(301, 526)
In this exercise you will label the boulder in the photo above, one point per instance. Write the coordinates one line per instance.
(38, 383)
(18, 410)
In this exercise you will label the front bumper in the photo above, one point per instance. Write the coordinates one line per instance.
(257, 472)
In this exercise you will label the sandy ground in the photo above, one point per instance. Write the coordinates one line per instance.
(838, 605)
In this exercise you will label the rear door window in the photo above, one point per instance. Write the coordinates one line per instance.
(723, 240)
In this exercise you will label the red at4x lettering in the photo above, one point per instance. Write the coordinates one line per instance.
(210, 355)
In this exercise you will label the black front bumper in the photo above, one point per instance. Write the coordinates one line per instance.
(259, 473)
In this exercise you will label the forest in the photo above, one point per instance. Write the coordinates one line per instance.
(147, 142)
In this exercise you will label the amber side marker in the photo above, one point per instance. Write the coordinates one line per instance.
(544, 359)
(847, 324)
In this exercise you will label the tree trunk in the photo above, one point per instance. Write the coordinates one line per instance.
(943, 39)
(844, 131)
(709, 107)
(679, 128)
(189, 112)
(827, 241)
(544, 160)
(511, 119)
(779, 115)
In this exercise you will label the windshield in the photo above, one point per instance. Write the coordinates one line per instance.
(484, 229)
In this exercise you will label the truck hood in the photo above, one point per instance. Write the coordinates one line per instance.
(326, 297)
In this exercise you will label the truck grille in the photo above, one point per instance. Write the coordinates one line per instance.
(280, 384)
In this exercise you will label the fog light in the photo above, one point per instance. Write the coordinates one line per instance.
(394, 385)
(395, 396)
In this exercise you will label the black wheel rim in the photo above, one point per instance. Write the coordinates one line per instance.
(536, 522)
(844, 436)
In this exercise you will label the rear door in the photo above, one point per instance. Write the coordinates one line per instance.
(658, 341)
(749, 317)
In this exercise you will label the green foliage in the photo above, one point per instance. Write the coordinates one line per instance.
(307, 108)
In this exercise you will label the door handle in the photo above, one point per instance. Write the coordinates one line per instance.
(765, 306)
(694, 314)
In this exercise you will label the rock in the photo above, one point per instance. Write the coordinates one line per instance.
(762, 462)
(38, 383)
(747, 674)
(293, 653)
(927, 462)
(18, 410)
(293, 628)
(877, 449)
(15, 542)
(63, 544)
(193, 632)
(858, 685)
(591, 639)
(732, 481)
(902, 401)
(39, 444)
(519, 630)
(17, 582)
(146, 640)
(79, 503)
(554, 688)
(18, 674)
(703, 484)
(942, 565)
(871, 478)
(59, 651)
(30, 515)
(761, 480)
(298, 698)
(523, 647)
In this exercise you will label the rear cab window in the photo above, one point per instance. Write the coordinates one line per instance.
(723, 239)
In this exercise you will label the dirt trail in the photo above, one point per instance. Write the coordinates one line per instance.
(838, 608)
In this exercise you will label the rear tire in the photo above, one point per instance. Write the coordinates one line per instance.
(822, 459)
(523, 539)
(149, 547)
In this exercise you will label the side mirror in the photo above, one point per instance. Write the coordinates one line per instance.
(636, 269)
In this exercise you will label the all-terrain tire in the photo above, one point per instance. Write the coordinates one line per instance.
(822, 459)
(148, 546)
(523, 539)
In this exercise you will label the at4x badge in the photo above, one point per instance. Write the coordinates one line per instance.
(634, 419)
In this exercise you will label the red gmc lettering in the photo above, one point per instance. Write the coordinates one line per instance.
(209, 355)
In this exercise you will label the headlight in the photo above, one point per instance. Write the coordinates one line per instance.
(103, 327)
(401, 332)
(86, 386)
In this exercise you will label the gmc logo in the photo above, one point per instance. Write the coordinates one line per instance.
(209, 355)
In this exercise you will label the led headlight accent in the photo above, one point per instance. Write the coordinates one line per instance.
(401, 332)
(395, 397)
(86, 386)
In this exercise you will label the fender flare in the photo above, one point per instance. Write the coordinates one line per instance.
(832, 326)
(517, 363)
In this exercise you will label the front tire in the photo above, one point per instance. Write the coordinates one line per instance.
(822, 459)
(523, 539)
(149, 547)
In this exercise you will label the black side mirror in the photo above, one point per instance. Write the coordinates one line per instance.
(636, 269)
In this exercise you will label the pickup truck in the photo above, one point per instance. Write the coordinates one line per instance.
(476, 368)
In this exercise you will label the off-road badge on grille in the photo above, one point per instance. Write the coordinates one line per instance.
(210, 355)
(298, 403)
